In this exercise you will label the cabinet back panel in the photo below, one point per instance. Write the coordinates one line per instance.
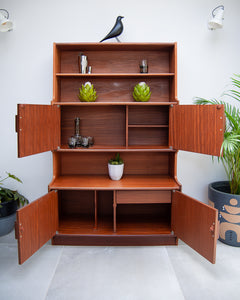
(106, 125)
(117, 61)
(76, 202)
(162, 210)
(104, 203)
(148, 136)
(141, 163)
(114, 89)
(153, 115)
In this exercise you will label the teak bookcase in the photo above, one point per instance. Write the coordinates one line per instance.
(146, 207)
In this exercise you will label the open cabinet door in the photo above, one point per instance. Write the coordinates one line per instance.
(196, 224)
(197, 128)
(38, 128)
(36, 224)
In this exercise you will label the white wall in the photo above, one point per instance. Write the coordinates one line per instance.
(206, 60)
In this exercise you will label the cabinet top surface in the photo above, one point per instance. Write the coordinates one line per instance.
(115, 46)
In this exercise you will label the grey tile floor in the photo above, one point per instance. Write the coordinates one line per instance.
(114, 273)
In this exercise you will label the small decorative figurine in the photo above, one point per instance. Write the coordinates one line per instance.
(82, 63)
(77, 132)
(116, 30)
(143, 66)
(142, 92)
(87, 93)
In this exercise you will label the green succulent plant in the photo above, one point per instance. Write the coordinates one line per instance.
(141, 92)
(117, 160)
(87, 93)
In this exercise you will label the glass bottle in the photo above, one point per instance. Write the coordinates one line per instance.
(77, 132)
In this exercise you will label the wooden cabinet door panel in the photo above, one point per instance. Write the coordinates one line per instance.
(196, 224)
(38, 128)
(36, 223)
(197, 128)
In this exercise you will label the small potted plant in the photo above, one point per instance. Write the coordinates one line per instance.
(225, 195)
(10, 201)
(115, 167)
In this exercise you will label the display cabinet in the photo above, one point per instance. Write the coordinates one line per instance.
(146, 207)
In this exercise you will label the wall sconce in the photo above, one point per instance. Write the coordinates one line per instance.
(5, 23)
(217, 18)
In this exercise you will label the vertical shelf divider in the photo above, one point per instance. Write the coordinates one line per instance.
(114, 212)
(95, 210)
(126, 126)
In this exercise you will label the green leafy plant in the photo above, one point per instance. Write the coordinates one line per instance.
(116, 160)
(87, 93)
(141, 92)
(7, 195)
(230, 150)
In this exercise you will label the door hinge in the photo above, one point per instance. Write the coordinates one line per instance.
(212, 229)
(20, 231)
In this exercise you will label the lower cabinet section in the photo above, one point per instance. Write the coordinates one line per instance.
(114, 218)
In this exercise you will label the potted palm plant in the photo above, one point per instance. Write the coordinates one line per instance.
(10, 201)
(115, 167)
(225, 195)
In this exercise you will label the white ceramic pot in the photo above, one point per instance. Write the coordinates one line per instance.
(115, 171)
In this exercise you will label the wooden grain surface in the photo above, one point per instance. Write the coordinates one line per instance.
(127, 197)
(192, 221)
(36, 224)
(103, 182)
(115, 240)
(114, 89)
(197, 128)
(117, 60)
(105, 124)
(38, 128)
(95, 163)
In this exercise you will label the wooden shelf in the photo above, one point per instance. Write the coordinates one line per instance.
(126, 225)
(148, 126)
(103, 182)
(77, 224)
(107, 103)
(112, 75)
(101, 148)
(142, 224)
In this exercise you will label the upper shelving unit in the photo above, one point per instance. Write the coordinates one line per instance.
(115, 71)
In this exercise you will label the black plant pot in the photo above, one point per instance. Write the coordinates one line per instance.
(7, 224)
(8, 208)
(228, 206)
(7, 216)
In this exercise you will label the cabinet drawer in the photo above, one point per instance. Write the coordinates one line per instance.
(132, 197)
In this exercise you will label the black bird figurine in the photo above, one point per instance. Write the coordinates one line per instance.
(116, 30)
